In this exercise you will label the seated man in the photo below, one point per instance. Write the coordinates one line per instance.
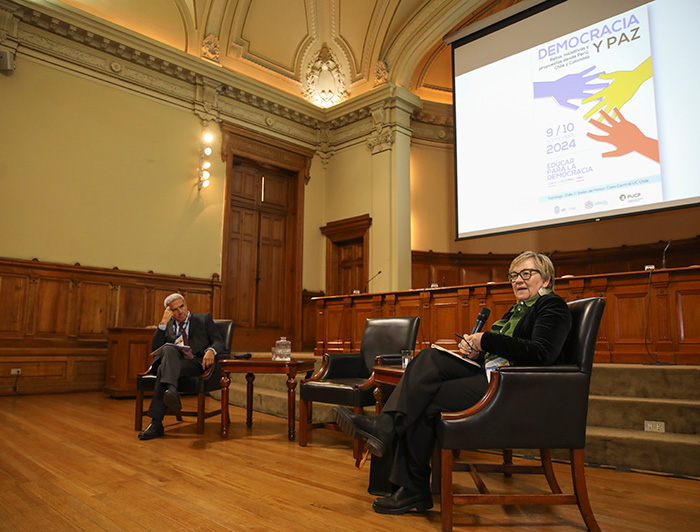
(179, 328)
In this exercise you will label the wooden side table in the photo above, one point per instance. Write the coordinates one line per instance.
(390, 375)
(263, 365)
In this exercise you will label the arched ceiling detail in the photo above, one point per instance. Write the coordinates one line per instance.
(278, 42)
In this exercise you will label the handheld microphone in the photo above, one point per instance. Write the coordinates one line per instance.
(368, 280)
(663, 256)
(481, 319)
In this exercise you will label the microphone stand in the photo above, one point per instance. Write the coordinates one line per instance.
(370, 279)
(663, 256)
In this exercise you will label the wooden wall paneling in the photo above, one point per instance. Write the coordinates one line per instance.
(430, 267)
(648, 318)
(197, 301)
(633, 334)
(94, 312)
(445, 319)
(56, 317)
(157, 308)
(408, 304)
(426, 318)
(308, 309)
(90, 373)
(420, 275)
(133, 305)
(660, 316)
(599, 288)
(363, 308)
(332, 325)
(128, 355)
(685, 317)
(13, 302)
(52, 307)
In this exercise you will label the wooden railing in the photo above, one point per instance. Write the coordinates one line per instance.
(649, 317)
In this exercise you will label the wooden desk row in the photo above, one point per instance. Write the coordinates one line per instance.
(649, 316)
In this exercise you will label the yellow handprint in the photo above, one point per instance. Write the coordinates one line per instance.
(623, 86)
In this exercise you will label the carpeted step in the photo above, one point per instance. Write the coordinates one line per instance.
(679, 416)
(642, 380)
(678, 454)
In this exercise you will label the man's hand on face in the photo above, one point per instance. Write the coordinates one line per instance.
(166, 316)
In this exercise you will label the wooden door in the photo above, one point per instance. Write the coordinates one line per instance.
(351, 266)
(254, 282)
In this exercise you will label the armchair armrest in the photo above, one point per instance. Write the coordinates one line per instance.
(390, 359)
(340, 365)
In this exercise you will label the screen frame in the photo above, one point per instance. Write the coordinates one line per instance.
(488, 26)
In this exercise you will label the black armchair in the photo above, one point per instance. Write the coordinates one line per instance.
(347, 378)
(527, 408)
(200, 386)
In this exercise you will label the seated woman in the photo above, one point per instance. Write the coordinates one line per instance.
(532, 333)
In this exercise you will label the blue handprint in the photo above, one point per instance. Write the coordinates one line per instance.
(569, 87)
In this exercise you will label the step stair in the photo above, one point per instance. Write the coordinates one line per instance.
(625, 396)
(622, 398)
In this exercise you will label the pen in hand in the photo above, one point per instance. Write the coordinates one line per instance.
(466, 342)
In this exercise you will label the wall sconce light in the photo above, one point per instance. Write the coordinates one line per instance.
(205, 151)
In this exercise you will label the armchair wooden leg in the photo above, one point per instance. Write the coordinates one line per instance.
(578, 475)
(446, 489)
(357, 446)
(304, 415)
(546, 460)
(138, 417)
(507, 460)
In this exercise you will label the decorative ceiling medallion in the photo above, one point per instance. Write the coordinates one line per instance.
(211, 47)
(324, 82)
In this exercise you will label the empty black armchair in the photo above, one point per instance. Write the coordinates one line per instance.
(527, 408)
(200, 386)
(347, 378)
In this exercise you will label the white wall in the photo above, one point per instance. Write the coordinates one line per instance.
(104, 177)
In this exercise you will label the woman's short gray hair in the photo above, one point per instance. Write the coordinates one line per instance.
(543, 264)
(171, 298)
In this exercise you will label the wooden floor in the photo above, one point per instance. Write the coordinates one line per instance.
(73, 462)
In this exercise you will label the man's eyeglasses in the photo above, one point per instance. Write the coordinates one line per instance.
(524, 275)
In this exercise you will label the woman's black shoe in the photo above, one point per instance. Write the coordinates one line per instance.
(364, 428)
(402, 501)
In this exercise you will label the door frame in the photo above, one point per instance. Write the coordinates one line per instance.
(238, 142)
(339, 231)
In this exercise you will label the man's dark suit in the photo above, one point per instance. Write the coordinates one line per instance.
(203, 334)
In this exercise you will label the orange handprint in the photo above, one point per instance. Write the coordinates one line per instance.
(625, 136)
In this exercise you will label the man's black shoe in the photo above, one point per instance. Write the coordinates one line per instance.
(154, 430)
(364, 428)
(171, 399)
(402, 501)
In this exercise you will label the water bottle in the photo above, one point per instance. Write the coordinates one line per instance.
(283, 347)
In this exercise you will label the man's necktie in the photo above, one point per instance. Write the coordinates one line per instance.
(184, 337)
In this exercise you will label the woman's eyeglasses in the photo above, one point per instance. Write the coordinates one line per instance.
(524, 275)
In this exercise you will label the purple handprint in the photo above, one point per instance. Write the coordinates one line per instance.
(569, 87)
